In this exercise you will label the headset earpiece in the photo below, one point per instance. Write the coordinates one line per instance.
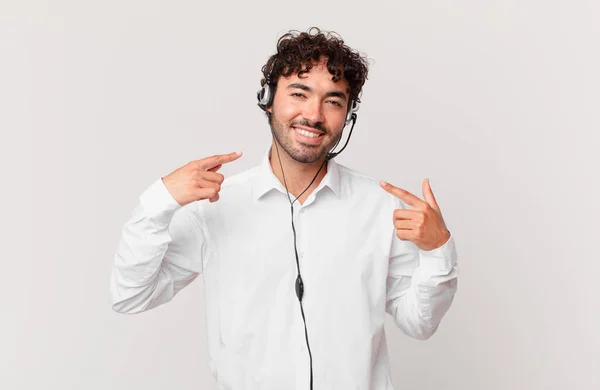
(264, 97)
(352, 112)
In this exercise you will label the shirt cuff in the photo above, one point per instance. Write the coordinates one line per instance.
(439, 260)
(158, 203)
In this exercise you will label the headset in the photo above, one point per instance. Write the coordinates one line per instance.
(265, 97)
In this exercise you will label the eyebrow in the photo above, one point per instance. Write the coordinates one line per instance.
(306, 88)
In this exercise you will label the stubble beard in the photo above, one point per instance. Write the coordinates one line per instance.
(303, 153)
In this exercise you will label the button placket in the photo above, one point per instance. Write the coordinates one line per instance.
(300, 233)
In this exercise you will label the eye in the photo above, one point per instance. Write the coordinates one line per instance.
(297, 94)
(335, 103)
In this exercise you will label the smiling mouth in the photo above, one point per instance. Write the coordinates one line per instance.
(307, 133)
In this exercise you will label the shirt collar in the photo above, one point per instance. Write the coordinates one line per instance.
(265, 180)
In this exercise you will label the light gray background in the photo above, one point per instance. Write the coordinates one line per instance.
(496, 102)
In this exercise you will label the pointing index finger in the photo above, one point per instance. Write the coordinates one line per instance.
(218, 159)
(406, 196)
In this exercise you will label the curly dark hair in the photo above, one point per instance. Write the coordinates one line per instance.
(297, 50)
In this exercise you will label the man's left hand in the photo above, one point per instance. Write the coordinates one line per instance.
(423, 224)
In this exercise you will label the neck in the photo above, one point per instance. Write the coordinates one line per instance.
(298, 175)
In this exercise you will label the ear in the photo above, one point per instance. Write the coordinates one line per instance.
(273, 93)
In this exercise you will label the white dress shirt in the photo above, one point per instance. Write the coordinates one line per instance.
(353, 266)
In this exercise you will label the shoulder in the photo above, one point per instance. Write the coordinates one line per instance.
(235, 191)
(355, 177)
(240, 179)
(365, 186)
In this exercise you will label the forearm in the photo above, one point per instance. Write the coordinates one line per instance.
(419, 302)
(142, 278)
(136, 279)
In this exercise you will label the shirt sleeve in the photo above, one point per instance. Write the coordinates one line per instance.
(420, 286)
(161, 250)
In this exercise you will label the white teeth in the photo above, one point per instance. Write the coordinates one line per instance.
(307, 133)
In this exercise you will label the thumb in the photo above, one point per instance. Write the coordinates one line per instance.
(428, 195)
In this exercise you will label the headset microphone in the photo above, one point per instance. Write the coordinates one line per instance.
(330, 155)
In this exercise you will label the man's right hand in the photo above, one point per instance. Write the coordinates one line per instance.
(198, 179)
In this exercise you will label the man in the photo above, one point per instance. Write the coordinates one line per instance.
(301, 257)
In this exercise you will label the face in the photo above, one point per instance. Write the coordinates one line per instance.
(308, 113)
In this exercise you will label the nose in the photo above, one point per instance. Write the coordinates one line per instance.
(313, 111)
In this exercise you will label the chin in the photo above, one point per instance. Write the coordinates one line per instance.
(307, 153)
(308, 156)
(306, 159)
